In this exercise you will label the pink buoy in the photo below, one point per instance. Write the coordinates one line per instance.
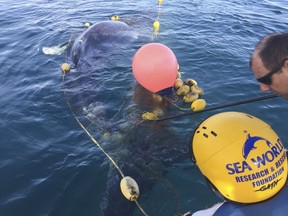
(155, 67)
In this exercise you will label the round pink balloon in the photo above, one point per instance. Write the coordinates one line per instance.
(155, 67)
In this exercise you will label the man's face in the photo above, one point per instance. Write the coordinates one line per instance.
(279, 80)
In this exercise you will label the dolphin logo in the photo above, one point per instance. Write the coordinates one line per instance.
(249, 144)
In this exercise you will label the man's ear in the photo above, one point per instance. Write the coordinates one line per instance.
(285, 66)
(286, 63)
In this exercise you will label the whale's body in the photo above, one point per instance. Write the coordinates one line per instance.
(101, 94)
(100, 37)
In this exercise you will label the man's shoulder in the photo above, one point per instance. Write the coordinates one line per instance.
(276, 205)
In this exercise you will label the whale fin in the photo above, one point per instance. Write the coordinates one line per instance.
(55, 50)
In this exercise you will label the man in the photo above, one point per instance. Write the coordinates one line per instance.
(269, 63)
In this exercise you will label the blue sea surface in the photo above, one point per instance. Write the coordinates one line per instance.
(50, 167)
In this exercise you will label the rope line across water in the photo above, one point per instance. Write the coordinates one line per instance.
(219, 107)
(97, 144)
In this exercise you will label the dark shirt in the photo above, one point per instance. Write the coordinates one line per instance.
(275, 206)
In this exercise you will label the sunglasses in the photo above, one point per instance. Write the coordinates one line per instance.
(267, 78)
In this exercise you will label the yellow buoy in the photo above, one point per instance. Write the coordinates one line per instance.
(149, 116)
(65, 67)
(190, 97)
(156, 25)
(87, 24)
(196, 89)
(198, 104)
(129, 188)
(115, 18)
(160, 2)
(190, 82)
(178, 83)
(183, 90)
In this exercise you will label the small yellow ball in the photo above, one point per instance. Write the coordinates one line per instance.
(196, 89)
(149, 116)
(87, 24)
(178, 83)
(190, 97)
(156, 25)
(129, 188)
(190, 82)
(183, 90)
(198, 105)
(65, 67)
(115, 18)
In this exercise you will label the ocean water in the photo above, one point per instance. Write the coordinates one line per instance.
(49, 166)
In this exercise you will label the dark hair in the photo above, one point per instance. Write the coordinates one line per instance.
(272, 49)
